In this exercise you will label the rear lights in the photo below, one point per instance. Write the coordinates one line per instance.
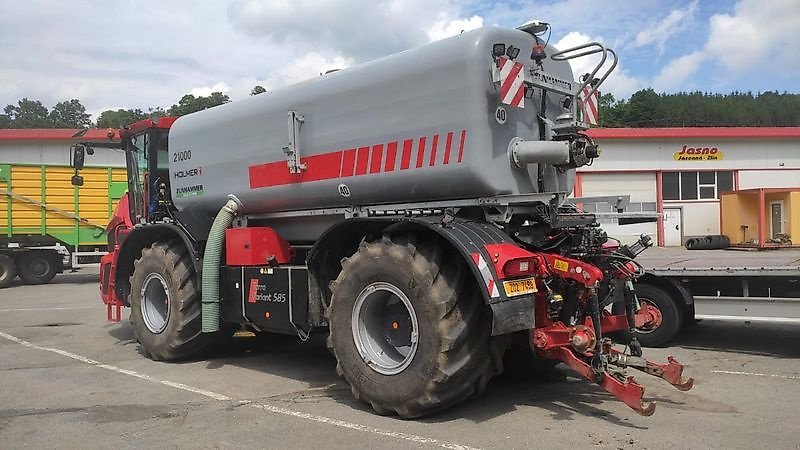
(519, 267)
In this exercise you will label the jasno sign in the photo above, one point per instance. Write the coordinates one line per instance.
(698, 154)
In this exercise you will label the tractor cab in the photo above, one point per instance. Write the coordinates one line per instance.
(145, 144)
(147, 160)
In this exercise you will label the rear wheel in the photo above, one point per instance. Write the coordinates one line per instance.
(37, 267)
(165, 304)
(407, 328)
(8, 270)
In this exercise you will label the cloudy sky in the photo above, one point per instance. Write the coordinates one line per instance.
(129, 53)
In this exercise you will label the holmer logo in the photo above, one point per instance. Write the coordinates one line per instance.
(189, 172)
(698, 154)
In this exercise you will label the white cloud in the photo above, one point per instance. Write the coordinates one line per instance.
(757, 36)
(308, 66)
(659, 33)
(205, 91)
(446, 28)
(756, 39)
(620, 83)
(358, 29)
(674, 74)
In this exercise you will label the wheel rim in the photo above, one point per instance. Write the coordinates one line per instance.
(652, 309)
(385, 328)
(155, 303)
(39, 267)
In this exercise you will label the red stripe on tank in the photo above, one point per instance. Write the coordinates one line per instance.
(421, 151)
(362, 159)
(434, 144)
(318, 167)
(447, 146)
(376, 159)
(348, 163)
(461, 145)
(405, 160)
(391, 156)
(352, 162)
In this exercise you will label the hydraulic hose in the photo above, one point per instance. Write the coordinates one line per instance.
(211, 261)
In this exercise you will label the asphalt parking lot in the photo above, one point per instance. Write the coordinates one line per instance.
(70, 379)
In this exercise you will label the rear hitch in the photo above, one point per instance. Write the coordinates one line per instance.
(552, 343)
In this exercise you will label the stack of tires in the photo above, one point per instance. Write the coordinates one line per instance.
(710, 242)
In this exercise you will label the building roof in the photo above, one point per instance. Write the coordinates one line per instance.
(56, 134)
(695, 132)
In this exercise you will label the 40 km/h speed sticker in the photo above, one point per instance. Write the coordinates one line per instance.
(500, 115)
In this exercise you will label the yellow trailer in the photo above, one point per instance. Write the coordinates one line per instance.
(44, 218)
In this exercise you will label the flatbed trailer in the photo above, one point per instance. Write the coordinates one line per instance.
(732, 284)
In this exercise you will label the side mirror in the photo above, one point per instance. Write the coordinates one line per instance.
(78, 156)
(77, 180)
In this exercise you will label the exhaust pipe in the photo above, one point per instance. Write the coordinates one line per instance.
(524, 152)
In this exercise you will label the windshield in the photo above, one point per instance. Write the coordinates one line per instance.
(137, 174)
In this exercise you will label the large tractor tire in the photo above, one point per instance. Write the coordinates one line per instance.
(38, 267)
(165, 304)
(672, 316)
(408, 328)
(8, 270)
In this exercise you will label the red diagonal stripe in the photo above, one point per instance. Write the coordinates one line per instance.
(518, 96)
(447, 146)
(434, 144)
(391, 156)
(421, 151)
(376, 159)
(405, 160)
(461, 145)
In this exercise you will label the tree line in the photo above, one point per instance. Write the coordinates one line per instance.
(648, 109)
(28, 113)
(644, 109)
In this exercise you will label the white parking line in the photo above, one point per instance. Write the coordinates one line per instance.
(55, 308)
(222, 397)
(755, 374)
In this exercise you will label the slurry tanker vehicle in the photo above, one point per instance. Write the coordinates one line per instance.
(410, 209)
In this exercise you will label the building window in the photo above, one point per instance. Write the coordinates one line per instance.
(695, 185)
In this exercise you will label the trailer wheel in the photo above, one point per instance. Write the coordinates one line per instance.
(8, 270)
(37, 267)
(407, 328)
(165, 304)
(671, 316)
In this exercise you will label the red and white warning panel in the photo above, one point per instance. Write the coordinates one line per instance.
(511, 76)
(589, 105)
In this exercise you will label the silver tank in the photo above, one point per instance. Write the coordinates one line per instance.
(361, 136)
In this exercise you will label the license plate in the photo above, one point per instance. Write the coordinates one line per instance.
(519, 287)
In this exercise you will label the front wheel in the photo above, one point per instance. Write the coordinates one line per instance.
(165, 304)
(408, 329)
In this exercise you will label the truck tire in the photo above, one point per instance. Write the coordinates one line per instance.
(408, 328)
(37, 267)
(165, 304)
(8, 270)
(672, 316)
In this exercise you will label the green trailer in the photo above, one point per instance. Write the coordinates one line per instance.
(47, 224)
